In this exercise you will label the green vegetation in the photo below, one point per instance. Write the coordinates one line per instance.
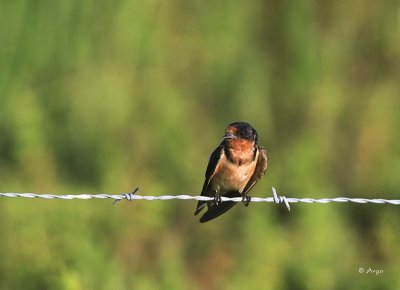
(104, 96)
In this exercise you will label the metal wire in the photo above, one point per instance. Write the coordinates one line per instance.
(133, 196)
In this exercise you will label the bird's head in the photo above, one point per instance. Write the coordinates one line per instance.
(240, 131)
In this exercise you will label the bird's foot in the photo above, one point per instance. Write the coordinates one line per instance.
(217, 199)
(246, 199)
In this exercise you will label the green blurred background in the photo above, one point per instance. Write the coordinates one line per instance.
(104, 96)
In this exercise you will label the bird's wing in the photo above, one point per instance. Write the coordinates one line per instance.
(259, 172)
(213, 164)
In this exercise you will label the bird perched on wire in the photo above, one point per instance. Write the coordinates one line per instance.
(235, 166)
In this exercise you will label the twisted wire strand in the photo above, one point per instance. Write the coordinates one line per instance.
(279, 199)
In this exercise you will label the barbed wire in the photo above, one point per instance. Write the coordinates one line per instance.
(133, 196)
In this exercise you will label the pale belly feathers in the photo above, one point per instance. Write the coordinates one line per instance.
(232, 177)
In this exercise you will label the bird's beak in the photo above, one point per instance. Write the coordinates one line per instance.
(229, 136)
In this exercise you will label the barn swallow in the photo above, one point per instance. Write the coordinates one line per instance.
(234, 168)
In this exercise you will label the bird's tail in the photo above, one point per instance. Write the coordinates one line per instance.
(215, 210)
(200, 206)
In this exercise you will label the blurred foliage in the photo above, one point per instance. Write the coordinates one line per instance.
(104, 96)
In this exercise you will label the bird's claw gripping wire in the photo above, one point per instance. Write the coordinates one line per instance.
(246, 200)
(217, 199)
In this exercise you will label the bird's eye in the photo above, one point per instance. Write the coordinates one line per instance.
(242, 133)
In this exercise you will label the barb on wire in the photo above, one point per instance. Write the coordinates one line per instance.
(128, 195)
(133, 196)
(280, 199)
